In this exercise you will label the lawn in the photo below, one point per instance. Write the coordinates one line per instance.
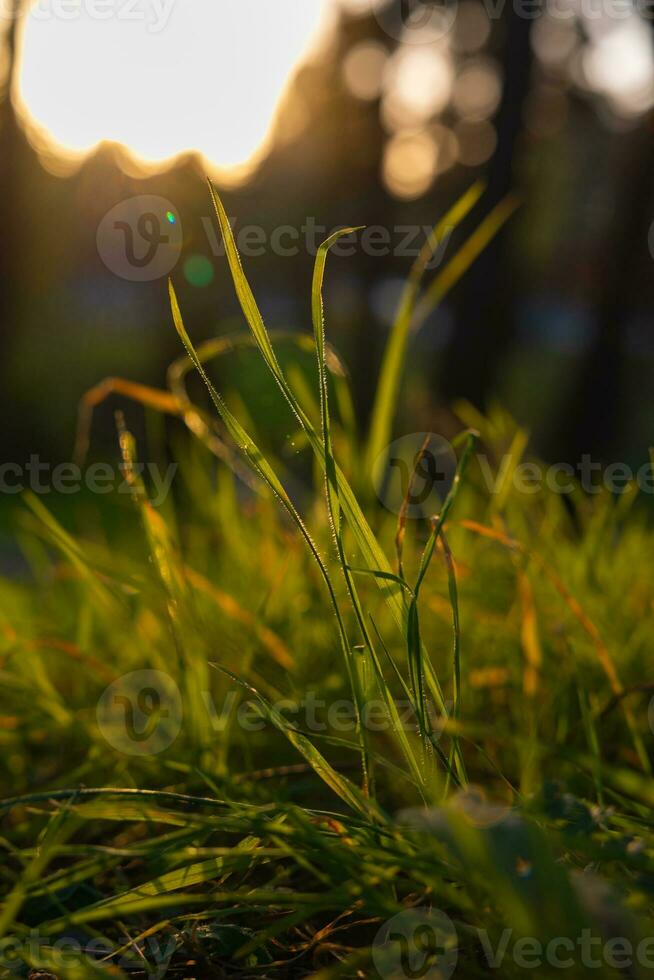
(292, 721)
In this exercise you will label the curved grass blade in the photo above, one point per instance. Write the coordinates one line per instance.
(261, 466)
(360, 670)
(371, 551)
(369, 547)
(334, 512)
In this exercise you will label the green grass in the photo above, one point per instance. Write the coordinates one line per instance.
(503, 645)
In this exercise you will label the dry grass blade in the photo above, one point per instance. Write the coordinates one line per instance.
(267, 637)
(601, 649)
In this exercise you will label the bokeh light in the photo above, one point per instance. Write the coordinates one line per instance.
(410, 164)
(363, 69)
(477, 89)
(554, 41)
(472, 27)
(198, 271)
(619, 64)
(419, 83)
(448, 146)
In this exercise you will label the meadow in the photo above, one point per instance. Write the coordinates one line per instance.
(285, 723)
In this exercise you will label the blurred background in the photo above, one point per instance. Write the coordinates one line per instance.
(310, 114)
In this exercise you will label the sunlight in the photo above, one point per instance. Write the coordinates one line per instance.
(162, 77)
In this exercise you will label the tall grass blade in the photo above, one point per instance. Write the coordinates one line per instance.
(261, 466)
(386, 397)
(372, 664)
(447, 279)
(371, 551)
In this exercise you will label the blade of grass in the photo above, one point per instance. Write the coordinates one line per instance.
(366, 540)
(420, 665)
(371, 551)
(456, 630)
(588, 626)
(261, 466)
(340, 785)
(55, 832)
(445, 281)
(334, 508)
(359, 672)
(171, 576)
(401, 520)
(386, 397)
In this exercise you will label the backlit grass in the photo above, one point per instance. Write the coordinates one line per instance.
(374, 714)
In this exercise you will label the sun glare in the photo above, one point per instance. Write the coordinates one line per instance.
(162, 77)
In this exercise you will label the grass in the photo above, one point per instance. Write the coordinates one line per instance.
(361, 714)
